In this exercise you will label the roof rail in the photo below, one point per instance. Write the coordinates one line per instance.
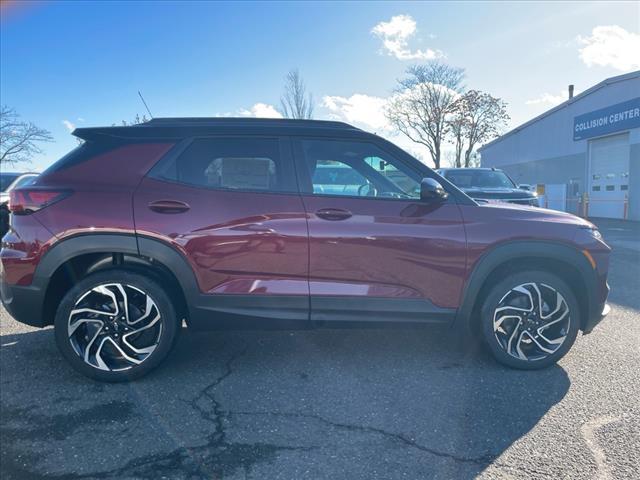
(182, 127)
(217, 121)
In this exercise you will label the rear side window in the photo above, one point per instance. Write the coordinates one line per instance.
(243, 163)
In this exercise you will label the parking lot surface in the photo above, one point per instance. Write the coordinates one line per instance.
(334, 404)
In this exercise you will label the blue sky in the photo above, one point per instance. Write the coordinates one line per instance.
(82, 63)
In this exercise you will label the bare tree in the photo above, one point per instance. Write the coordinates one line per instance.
(19, 139)
(480, 117)
(295, 102)
(474, 160)
(456, 123)
(423, 101)
(449, 159)
(136, 121)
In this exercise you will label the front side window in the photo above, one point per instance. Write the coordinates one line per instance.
(359, 169)
(247, 163)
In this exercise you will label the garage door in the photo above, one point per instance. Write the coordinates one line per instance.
(608, 176)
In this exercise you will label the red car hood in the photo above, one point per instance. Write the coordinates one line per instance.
(522, 212)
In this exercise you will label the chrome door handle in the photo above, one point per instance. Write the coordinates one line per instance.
(168, 206)
(333, 214)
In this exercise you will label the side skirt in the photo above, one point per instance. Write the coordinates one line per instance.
(282, 312)
(331, 309)
(242, 312)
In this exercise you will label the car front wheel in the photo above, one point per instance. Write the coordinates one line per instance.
(115, 325)
(530, 320)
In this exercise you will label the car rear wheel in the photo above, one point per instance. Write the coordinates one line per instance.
(530, 320)
(116, 325)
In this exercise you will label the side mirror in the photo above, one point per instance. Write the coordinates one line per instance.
(432, 191)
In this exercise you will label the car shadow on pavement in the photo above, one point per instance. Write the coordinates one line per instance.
(309, 404)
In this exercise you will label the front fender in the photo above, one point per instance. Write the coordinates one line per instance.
(507, 252)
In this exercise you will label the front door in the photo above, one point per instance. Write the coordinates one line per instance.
(376, 251)
(231, 206)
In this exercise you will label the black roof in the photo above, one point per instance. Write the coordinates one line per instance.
(194, 126)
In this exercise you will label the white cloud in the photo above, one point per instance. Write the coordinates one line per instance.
(395, 35)
(548, 99)
(364, 110)
(613, 46)
(70, 126)
(551, 99)
(261, 110)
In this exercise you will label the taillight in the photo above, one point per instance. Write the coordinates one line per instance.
(24, 201)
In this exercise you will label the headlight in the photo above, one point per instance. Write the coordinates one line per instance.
(593, 232)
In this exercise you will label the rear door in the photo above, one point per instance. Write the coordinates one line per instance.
(376, 251)
(231, 206)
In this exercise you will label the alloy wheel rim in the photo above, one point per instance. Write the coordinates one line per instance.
(114, 327)
(531, 321)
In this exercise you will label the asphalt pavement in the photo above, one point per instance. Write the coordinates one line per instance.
(334, 404)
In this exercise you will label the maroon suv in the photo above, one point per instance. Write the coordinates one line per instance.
(245, 223)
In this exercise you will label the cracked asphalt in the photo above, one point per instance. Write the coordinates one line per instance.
(333, 404)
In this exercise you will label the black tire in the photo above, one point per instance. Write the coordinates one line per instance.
(168, 325)
(547, 283)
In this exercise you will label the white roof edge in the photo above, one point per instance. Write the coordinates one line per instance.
(566, 103)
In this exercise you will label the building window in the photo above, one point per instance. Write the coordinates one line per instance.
(611, 188)
(574, 187)
(596, 177)
(596, 188)
(624, 187)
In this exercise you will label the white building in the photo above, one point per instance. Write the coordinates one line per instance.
(589, 144)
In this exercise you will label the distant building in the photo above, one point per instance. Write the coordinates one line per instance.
(588, 144)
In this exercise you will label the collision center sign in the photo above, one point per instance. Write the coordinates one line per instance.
(622, 116)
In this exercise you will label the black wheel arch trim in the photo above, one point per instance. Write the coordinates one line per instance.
(505, 252)
(125, 243)
(132, 244)
(81, 244)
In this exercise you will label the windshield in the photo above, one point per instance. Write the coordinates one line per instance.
(479, 179)
(25, 181)
(7, 179)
